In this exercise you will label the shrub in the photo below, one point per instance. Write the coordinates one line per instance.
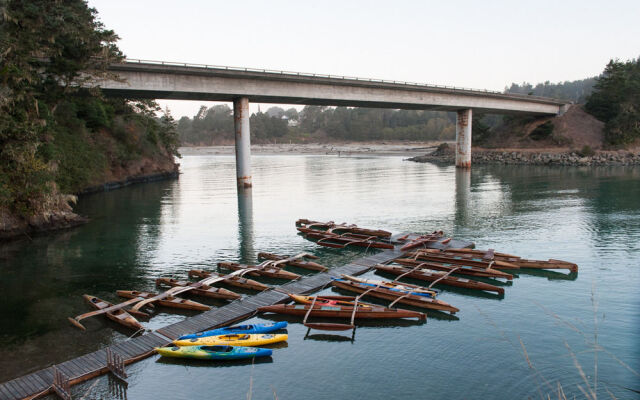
(543, 131)
(586, 151)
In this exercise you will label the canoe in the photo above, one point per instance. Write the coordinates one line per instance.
(171, 301)
(457, 259)
(424, 240)
(521, 262)
(328, 300)
(237, 339)
(305, 226)
(294, 261)
(253, 328)
(336, 241)
(213, 352)
(409, 298)
(120, 316)
(374, 312)
(204, 290)
(260, 270)
(431, 276)
(461, 269)
(396, 286)
(237, 281)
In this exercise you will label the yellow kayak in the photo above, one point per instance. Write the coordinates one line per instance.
(233, 340)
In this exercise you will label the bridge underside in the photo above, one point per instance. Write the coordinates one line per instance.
(230, 97)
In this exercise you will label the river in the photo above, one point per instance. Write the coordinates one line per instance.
(590, 216)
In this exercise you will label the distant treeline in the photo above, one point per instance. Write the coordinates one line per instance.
(574, 91)
(318, 123)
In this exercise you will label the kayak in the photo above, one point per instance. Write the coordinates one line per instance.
(254, 328)
(213, 352)
(233, 340)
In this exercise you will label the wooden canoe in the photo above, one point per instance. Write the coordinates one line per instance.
(171, 301)
(431, 276)
(375, 312)
(260, 270)
(305, 225)
(120, 316)
(441, 257)
(405, 287)
(460, 268)
(391, 295)
(336, 241)
(295, 261)
(499, 258)
(237, 281)
(203, 290)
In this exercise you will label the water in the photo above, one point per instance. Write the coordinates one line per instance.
(590, 216)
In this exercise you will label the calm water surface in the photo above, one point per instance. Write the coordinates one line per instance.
(590, 216)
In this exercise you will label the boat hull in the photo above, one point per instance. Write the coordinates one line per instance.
(386, 294)
(254, 328)
(267, 272)
(119, 316)
(171, 302)
(213, 352)
(203, 291)
(342, 311)
(233, 340)
(236, 281)
(425, 275)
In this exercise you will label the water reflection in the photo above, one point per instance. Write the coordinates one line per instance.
(463, 196)
(245, 226)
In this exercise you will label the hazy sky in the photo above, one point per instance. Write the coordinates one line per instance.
(485, 45)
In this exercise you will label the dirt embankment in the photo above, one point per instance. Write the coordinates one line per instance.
(573, 130)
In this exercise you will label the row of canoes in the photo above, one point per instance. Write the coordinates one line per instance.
(272, 267)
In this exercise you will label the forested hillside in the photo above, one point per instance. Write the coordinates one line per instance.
(318, 124)
(58, 134)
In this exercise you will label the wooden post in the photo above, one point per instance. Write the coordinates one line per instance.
(115, 363)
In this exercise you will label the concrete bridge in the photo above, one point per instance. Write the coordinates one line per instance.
(163, 80)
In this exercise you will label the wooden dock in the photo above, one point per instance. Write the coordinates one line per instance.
(94, 364)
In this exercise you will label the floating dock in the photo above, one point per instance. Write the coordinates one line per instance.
(95, 364)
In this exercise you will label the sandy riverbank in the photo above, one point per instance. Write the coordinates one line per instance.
(406, 149)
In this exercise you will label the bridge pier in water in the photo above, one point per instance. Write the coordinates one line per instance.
(241, 116)
(463, 138)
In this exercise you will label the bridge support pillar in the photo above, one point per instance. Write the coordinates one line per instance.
(463, 138)
(243, 141)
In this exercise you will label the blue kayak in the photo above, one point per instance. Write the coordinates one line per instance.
(254, 328)
(213, 352)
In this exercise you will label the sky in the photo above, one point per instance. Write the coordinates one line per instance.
(482, 45)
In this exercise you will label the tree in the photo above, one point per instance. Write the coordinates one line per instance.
(616, 101)
(48, 50)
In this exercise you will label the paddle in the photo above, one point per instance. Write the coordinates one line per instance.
(76, 320)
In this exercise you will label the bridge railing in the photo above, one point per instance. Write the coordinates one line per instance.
(293, 73)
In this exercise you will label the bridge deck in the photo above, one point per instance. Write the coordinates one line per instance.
(94, 364)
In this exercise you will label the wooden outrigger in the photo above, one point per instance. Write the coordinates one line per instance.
(501, 260)
(440, 257)
(336, 241)
(443, 278)
(460, 268)
(201, 290)
(305, 226)
(295, 261)
(424, 240)
(321, 309)
(389, 291)
(237, 281)
(171, 301)
(119, 316)
(263, 269)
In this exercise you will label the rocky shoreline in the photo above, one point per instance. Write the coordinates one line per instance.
(63, 217)
(518, 157)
